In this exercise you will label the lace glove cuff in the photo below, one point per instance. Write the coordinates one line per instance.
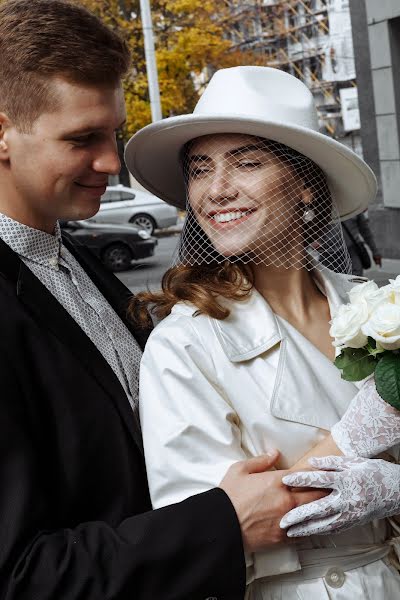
(369, 426)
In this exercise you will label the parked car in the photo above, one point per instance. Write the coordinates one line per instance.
(122, 204)
(116, 245)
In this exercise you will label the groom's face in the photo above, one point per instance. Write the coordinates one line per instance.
(60, 168)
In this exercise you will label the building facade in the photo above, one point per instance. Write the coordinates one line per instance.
(376, 38)
(311, 39)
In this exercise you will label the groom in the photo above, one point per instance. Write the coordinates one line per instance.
(75, 517)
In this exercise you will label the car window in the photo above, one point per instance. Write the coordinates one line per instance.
(127, 196)
(111, 196)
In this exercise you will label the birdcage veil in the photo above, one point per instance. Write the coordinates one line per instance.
(253, 200)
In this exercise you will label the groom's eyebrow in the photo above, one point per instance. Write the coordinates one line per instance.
(90, 129)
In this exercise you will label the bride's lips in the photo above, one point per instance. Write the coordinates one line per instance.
(229, 218)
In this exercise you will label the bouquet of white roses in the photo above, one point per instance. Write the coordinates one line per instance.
(367, 333)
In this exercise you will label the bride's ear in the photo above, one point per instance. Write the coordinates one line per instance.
(306, 195)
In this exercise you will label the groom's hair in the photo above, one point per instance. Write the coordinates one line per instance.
(44, 39)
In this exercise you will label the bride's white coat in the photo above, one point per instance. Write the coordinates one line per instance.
(215, 392)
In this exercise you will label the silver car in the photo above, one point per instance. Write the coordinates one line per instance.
(122, 204)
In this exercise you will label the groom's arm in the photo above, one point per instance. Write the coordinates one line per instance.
(189, 550)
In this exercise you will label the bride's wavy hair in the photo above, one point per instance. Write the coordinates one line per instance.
(202, 285)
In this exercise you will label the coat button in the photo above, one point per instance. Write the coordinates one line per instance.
(335, 577)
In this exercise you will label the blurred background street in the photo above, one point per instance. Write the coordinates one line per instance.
(147, 273)
(346, 51)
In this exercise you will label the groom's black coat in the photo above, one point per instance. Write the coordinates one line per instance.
(75, 519)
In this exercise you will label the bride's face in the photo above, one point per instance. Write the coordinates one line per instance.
(245, 198)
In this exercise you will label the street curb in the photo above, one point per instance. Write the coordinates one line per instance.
(161, 233)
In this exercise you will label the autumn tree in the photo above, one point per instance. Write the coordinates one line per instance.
(192, 41)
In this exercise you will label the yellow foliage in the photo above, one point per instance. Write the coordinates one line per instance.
(192, 42)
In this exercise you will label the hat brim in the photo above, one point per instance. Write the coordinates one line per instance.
(153, 157)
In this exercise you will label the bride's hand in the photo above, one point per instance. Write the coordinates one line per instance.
(362, 490)
(369, 426)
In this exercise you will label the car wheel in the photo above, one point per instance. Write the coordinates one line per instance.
(144, 222)
(117, 257)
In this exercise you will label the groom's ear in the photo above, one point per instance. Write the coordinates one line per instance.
(4, 124)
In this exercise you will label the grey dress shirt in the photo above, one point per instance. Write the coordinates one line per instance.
(52, 263)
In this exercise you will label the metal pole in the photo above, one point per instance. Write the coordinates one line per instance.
(151, 64)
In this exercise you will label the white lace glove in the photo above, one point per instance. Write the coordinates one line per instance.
(369, 426)
(362, 490)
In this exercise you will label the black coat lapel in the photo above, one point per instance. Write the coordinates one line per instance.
(51, 315)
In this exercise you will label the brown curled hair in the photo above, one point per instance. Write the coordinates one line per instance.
(204, 286)
(44, 39)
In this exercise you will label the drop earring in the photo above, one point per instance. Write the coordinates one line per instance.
(308, 215)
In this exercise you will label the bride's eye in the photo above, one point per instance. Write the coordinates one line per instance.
(249, 164)
(199, 170)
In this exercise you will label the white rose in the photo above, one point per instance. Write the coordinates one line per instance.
(362, 290)
(392, 290)
(369, 293)
(346, 325)
(384, 326)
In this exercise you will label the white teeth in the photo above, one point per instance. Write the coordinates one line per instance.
(229, 216)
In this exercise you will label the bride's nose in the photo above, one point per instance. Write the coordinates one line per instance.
(222, 186)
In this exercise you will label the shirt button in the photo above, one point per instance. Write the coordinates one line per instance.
(335, 577)
(53, 261)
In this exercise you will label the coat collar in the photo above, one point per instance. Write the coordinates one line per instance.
(252, 328)
(47, 311)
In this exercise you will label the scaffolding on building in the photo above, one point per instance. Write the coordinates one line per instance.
(310, 39)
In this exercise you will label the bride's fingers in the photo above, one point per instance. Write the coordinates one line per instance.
(317, 527)
(311, 511)
(315, 479)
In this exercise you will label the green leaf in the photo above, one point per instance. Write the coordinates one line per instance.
(387, 378)
(373, 348)
(355, 363)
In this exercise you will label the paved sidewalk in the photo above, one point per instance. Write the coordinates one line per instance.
(389, 270)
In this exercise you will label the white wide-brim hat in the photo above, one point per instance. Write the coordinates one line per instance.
(258, 101)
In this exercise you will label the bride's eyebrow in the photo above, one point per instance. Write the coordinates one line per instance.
(199, 158)
(252, 148)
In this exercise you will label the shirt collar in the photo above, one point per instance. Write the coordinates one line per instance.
(33, 244)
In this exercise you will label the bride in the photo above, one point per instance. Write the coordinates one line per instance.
(243, 359)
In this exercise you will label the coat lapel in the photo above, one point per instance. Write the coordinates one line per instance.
(252, 329)
(308, 388)
(49, 313)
